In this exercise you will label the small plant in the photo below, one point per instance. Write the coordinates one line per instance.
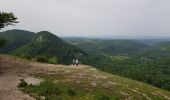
(53, 60)
(22, 83)
(70, 91)
(102, 97)
(42, 58)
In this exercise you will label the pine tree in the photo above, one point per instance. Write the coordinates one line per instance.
(5, 20)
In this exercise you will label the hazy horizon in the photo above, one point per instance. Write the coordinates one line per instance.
(101, 36)
(92, 17)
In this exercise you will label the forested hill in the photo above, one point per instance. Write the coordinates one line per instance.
(42, 46)
(116, 46)
(16, 39)
(129, 58)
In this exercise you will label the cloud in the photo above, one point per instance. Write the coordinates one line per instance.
(92, 17)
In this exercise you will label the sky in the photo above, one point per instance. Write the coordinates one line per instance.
(91, 17)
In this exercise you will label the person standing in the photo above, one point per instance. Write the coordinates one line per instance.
(74, 62)
(77, 62)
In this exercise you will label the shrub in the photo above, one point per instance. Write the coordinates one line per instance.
(53, 60)
(48, 88)
(26, 56)
(42, 58)
(70, 91)
(2, 41)
(102, 97)
(22, 83)
(47, 59)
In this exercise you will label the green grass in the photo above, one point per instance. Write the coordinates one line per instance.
(54, 91)
(87, 83)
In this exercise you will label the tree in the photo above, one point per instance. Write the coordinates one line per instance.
(2, 41)
(5, 20)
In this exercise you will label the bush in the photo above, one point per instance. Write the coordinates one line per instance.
(22, 83)
(53, 97)
(2, 41)
(47, 59)
(102, 97)
(53, 60)
(42, 58)
(70, 91)
(25, 56)
(47, 88)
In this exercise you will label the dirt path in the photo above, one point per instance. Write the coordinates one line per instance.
(9, 79)
(12, 70)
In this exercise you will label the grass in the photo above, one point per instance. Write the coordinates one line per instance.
(87, 83)
(84, 83)
(54, 91)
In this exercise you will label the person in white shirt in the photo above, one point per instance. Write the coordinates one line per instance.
(77, 62)
(74, 62)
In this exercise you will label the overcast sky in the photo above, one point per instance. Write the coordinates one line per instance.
(92, 17)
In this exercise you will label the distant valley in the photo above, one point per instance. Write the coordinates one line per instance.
(145, 60)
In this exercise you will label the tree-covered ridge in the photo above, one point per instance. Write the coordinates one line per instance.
(42, 46)
(149, 64)
(16, 39)
(109, 46)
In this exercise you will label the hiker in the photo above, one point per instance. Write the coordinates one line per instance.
(74, 61)
(77, 62)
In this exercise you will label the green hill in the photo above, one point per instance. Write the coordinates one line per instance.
(16, 39)
(42, 46)
(108, 46)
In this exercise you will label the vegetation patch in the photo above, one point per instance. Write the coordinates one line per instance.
(120, 58)
(53, 91)
(47, 59)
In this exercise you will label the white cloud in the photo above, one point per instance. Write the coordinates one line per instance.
(90, 17)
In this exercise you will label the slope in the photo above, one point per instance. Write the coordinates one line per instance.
(84, 82)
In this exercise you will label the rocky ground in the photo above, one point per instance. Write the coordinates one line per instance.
(13, 69)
